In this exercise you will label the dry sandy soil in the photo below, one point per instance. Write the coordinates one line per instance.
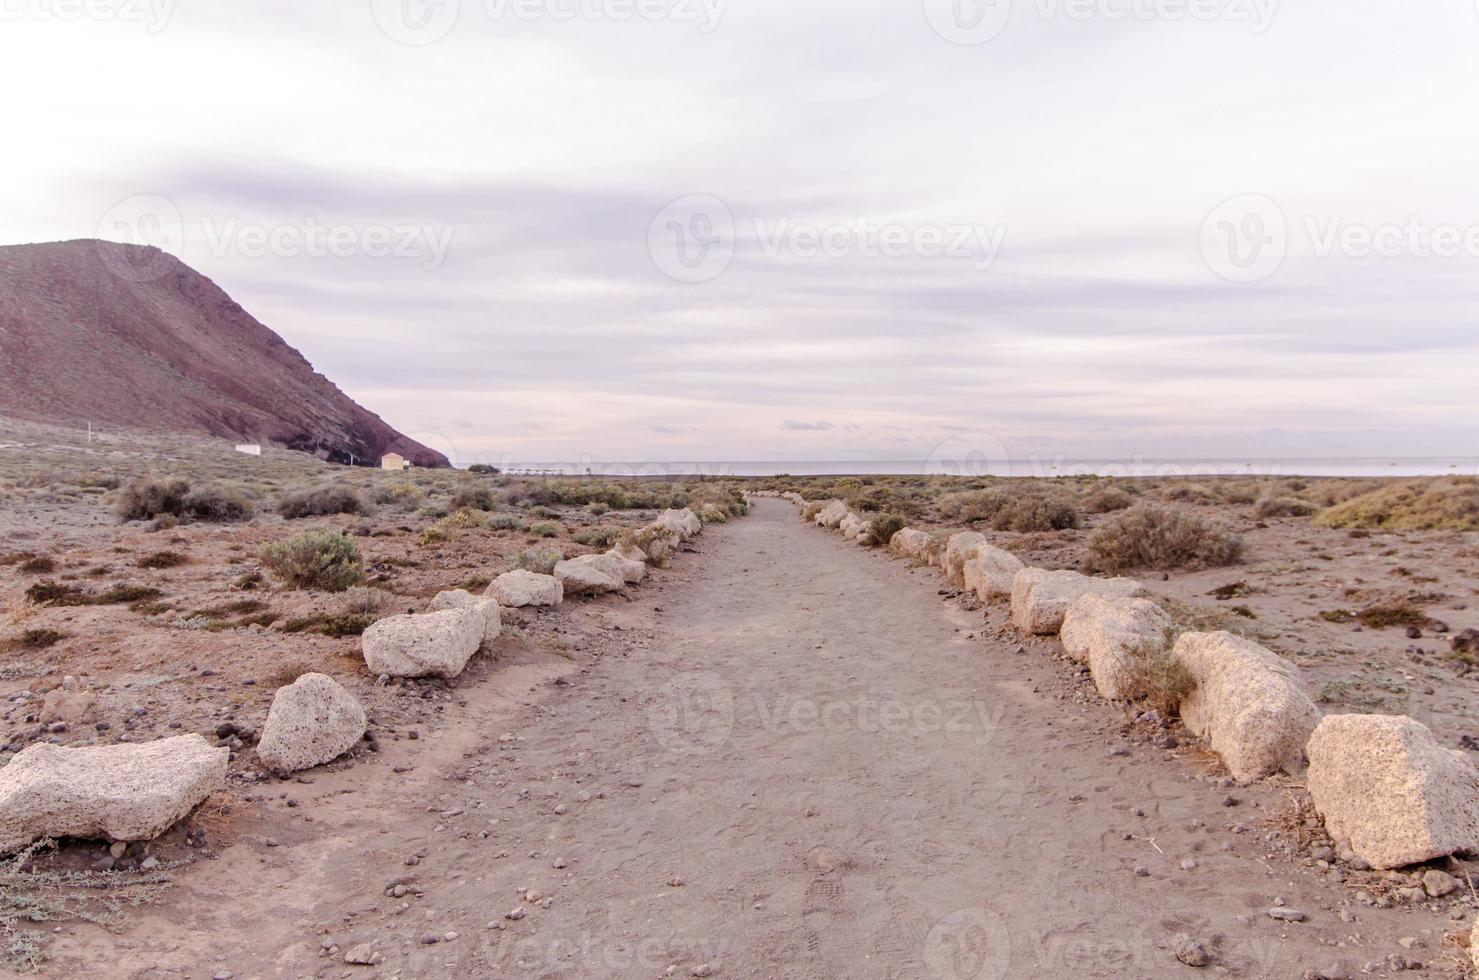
(784, 756)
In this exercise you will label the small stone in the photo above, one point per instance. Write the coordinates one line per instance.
(1142, 872)
(430, 939)
(149, 863)
(1188, 865)
(1439, 883)
(362, 955)
(1287, 915)
(1189, 951)
(557, 863)
(270, 842)
(117, 849)
(515, 915)
(561, 810)
(449, 937)
(703, 970)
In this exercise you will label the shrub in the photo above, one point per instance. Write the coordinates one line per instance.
(1107, 499)
(38, 565)
(1036, 512)
(539, 560)
(483, 469)
(321, 502)
(337, 625)
(220, 505)
(1152, 536)
(598, 507)
(474, 498)
(162, 559)
(314, 560)
(57, 594)
(545, 529)
(403, 496)
(432, 512)
(1186, 492)
(883, 527)
(505, 522)
(1425, 505)
(365, 601)
(40, 639)
(144, 500)
(1284, 507)
(1157, 677)
(972, 505)
(597, 537)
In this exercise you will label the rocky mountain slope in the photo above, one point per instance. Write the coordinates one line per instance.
(126, 335)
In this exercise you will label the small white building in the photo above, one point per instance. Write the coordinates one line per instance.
(394, 461)
(249, 449)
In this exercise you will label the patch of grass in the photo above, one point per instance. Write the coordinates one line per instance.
(597, 537)
(57, 594)
(1284, 507)
(1449, 504)
(539, 560)
(1157, 678)
(1161, 538)
(162, 559)
(330, 624)
(545, 529)
(119, 594)
(322, 501)
(37, 565)
(475, 583)
(505, 522)
(40, 639)
(317, 559)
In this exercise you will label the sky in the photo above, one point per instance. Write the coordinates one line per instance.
(673, 230)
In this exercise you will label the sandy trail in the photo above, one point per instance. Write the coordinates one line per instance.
(803, 765)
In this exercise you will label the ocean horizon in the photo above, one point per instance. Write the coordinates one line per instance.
(1029, 467)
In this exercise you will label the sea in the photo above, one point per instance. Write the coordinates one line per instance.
(1037, 467)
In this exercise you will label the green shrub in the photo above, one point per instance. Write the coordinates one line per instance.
(505, 522)
(883, 527)
(1153, 536)
(597, 537)
(317, 559)
(598, 507)
(539, 560)
(474, 498)
(483, 469)
(1449, 504)
(545, 529)
(322, 502)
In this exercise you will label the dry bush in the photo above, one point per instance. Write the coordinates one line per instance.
(541, 561)
(811, 509)
(597, 537)
(220, 505)
(144, 500)
(1157, 677)
(322, 502)
(972, 505)
(317, 559)
(883, 527)
(1152, 536)
(1241, 492)
(474, 498)
(545, 529)
(402, 496)
(162, 559)
(1186, 492)
(1284, 507)
(1103, 500)
(1448, 504)
(1036, 511)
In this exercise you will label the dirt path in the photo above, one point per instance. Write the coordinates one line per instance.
(802, 763)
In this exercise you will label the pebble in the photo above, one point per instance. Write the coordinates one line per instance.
(1287, 915)
(557, 863)
(1439, 883)
(515, 915)
(430, 939)
(1189, 951)
(703, 970)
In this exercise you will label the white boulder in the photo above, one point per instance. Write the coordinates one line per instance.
(435, 644)
(998, 570)
(312, 721)
(683, 523)
(123, 792)
(1116, 637)
(524, 588)
(959, 549)
(1040, 598)
(1248, 702)
(1386, 787)
(632, 570)
(462, 599)
(590, 575)
(910, 543)
(832, 514)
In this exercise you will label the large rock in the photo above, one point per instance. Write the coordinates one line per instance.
(852, 525)
(435, 644)
(998, 570)
(910, 543)
(462, 599)
(590, 575)
(960, 549)
(312, 721)
(119, 792)
(683, 523)
(1116, 638)
(633, 570)
(832, 514)
(1040, 598)
(1248, 702)
(1387, 788)
(524, 588)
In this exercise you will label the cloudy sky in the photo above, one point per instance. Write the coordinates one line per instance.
(761, 229)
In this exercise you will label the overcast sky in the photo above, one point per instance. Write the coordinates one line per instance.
(766, 229)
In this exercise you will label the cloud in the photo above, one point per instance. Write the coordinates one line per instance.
(791, 425)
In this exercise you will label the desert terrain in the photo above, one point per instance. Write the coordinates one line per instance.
(782, 755)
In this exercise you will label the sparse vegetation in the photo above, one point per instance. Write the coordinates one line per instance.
(1284, 507)
(317, 559)
(338, 625)
(1422, 505)
(1157, 677)
(883, 527)
(1161, 538)
(162, 559)
(322, 501)
(474, 498)
(545, 529)
(147, 499)
(1104, 500)
(597, 537)
(538, 560)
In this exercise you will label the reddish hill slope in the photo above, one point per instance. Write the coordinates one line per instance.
(131, 336)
